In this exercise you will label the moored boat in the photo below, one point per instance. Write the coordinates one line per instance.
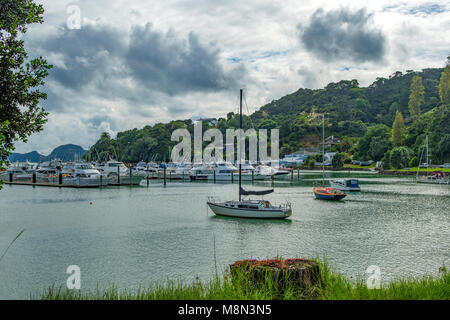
(119, 174)
(346, 184)
(247, 208)
(328, 193)
(322, 192)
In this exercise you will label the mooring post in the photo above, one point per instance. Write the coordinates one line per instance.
(298, 174)
(118, 175)
(232, 176)
(101, 180)
(34, 177)
(164, 176)
(131, 175)
(10, 177)
(148, 180)
(292, 174)
(215, 176)
(60, 177)
(272, 177)
(253, 176)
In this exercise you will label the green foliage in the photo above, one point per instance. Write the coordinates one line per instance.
(399, 157)
(338, 160)
(443, 148)
(20, 77)
(374, 143)
(309, 162)
(397, 129)
(416, 97)
(444, 84)
(414, 162)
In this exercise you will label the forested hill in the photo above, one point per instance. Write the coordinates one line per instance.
(349, 108)
(350, 112)
(346, 101)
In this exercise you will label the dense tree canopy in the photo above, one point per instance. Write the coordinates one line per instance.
(444, 84)
(20, 77)
(416, 97)
(397, 129)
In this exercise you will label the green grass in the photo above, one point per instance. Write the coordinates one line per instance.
(414, 169)
(331, 285)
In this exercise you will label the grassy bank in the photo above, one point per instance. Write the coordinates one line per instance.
(414, 169)
(330, 285)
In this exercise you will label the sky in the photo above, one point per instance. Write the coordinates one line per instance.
(119, 65)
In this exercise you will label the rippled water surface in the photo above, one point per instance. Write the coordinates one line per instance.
(132, 236)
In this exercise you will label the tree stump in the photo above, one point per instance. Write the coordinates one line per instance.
(298, 274)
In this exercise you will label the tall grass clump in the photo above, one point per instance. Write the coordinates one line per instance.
(238, 285)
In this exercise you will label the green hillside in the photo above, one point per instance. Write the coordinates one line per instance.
(362, 118)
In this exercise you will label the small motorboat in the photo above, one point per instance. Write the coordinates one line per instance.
(328, 193)
(346, 184)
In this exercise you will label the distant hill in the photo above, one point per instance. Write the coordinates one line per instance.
(66, 152)
(351, 112)
(33, 156)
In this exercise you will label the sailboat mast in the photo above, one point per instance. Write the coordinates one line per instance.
(240, 130)
(323, 150)
(428, 161)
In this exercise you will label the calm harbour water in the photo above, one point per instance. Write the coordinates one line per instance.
(130, 237)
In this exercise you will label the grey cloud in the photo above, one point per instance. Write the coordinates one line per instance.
(87, 52)
(148, 58)
(343, 35)
(168, 64)
(96, 121)
(309, 77)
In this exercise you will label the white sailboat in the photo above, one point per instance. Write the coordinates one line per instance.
(438, 177)
(246, 208)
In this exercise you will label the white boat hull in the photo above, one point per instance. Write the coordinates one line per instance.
(221, 210)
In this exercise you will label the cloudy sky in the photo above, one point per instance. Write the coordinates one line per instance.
(132, 63)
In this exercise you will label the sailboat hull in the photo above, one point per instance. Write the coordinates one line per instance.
(328, 194)
(221, 210)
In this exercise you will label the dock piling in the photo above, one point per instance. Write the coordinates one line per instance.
(164, 176)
